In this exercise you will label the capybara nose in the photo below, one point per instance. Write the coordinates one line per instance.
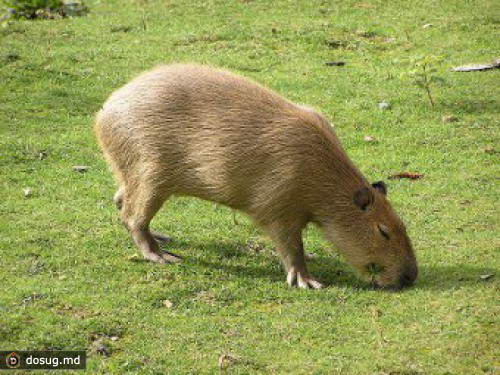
(408, 276)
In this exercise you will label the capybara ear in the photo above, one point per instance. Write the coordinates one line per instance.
(363, 198)
(380, 186)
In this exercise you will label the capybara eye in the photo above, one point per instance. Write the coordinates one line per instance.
(383, 231)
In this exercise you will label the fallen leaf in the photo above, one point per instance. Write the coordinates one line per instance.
(490, 150)
(133, 258)
(486, 276)
(409, 175)
(81, 168)
(369, 138)
(449, 118)
(477, 67)
(225, 360)
(335, 63)
(337, 44)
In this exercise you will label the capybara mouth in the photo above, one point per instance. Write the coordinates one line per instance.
(406, 278)
(389, 287)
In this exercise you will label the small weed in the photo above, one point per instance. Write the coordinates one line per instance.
(424, 74)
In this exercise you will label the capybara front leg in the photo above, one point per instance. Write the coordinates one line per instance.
(289, 245)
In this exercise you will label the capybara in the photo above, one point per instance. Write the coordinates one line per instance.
(192, 130)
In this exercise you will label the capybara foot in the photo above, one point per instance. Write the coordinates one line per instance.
(302, 280)
(163, 257)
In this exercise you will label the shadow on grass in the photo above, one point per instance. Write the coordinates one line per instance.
(473, 106)
(330, 270)
(442, 277)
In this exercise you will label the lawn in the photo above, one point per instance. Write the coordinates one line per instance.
(69, 274)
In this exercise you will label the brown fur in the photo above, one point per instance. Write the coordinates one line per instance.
(192, 130)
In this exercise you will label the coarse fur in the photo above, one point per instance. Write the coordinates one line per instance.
(187, 129)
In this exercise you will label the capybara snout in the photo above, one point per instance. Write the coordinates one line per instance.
(409, 275)
(186, 129)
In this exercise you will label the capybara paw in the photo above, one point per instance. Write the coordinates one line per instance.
(300, 280)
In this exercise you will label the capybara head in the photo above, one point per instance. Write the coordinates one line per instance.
(373, 239)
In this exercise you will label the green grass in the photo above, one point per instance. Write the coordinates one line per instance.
(66, 272)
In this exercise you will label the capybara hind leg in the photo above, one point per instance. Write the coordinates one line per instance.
(288, 240)
(118, 199)
(138, 211)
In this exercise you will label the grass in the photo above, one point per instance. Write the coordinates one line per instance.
(68, 276)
